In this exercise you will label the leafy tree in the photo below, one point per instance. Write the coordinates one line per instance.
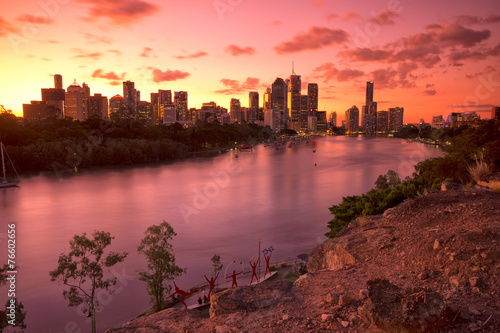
(381, 182)
(157, 248)
(216, 265)
(83, 270)
(393, 178)
(20, 314)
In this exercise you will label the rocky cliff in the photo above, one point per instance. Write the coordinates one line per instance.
(430, 264)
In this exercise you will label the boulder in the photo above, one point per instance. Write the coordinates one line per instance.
(249, 298)
(393, 310)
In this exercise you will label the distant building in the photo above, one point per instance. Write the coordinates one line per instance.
(181, 104)
(312, 95)
(235, 111)
(272, 118)
(304, 112)
(117, 104)
(312, 124)
(97, 105)
(333, 119)
(266, 99)
(294, 101)
(322, 122)
(279, 99)
(382, 122)
(253, 107)
(438, 122)
(352, 120)
(75, 101)
(396, 119)
(37, 110)
(144, 112)
(130, 94)
(369, 111)
(155, 120)
(169, 112)
(495, 112)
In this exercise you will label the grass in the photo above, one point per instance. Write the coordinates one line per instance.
(478, 170)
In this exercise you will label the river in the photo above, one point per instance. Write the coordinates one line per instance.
(220, 204)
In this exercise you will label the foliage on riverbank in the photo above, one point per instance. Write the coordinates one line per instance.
(473, 146)
(65, 144)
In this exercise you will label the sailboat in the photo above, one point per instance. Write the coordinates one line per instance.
(4, 182)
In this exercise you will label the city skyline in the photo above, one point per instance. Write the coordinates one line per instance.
(432, 58)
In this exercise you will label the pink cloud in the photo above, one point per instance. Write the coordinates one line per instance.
(454, 34)
(6, 27)
(146, 52)
(315, 38)
(192, 55)
(473, 20)
(35, 19)
(351, 16)
(94, 39)
(234, 86)
(331, 16)
(87, 55)
(328, 71)
(123, 12)
(389, 78)
(168, 75)
(385, 17)
(430, 92)
(365, 54)
(99, 73)
(236, 50)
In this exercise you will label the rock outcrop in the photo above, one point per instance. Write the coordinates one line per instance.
(431, 264)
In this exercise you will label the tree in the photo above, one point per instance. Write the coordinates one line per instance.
(393, 178)
(161, 262)
(216, 265)
(83, 270)
(5, 316)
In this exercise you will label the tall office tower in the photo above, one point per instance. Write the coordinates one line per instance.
(130, 95)
(304, 112)
(164, 97)
(294, 93)
(396, 118)
(97, 105)
(75, 102)
(266, 99)
(253, 107)
(382, 121)
(54, 97)
(58, 84)
(235, 111)
(181, 105)
(312, 93)
(352, 120)
(278, 99)
(321, 120)
(333, 119)
(495, 112)
(117, 105)
(154, 109)
(369, 111)
(144, 112)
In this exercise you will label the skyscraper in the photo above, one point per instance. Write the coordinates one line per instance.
(294, 97)
(130, 95)
(54, 97)
(117, 104)
(278, 99)
(369, 92)
(312, 94)
(155, 120)
(235, 111)
(396, 118)
(304, 112)
(369, 111)
(253, 106)
(181, 105)
(75, 102)
(382, 122)
(97, 105)
(352, 120)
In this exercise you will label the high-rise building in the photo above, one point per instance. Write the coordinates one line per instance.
(37, 110)
(130, 96)
(369, 111)
(75, 102)
(117, 106)
(169, 112)
(322, 123)
(55, 96)
(144, 111)
(369, 92)
(235, 111)
(181, 105)
(304, 112)
(382, 122)
(312, 94)
(278, 99)
(352, 120)
(58, 83)
(396, 119)
(253, 107)
(97, 105)
(333, 119)
(495, 112)
(266, 99)
(154, 109)
(294, 98)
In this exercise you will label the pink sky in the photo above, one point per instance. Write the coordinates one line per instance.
(430, 57)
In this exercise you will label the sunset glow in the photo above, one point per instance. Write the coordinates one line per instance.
(430, 57)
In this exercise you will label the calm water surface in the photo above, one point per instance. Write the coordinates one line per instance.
(218, 205)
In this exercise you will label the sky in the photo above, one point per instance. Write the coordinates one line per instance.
(430, 57)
